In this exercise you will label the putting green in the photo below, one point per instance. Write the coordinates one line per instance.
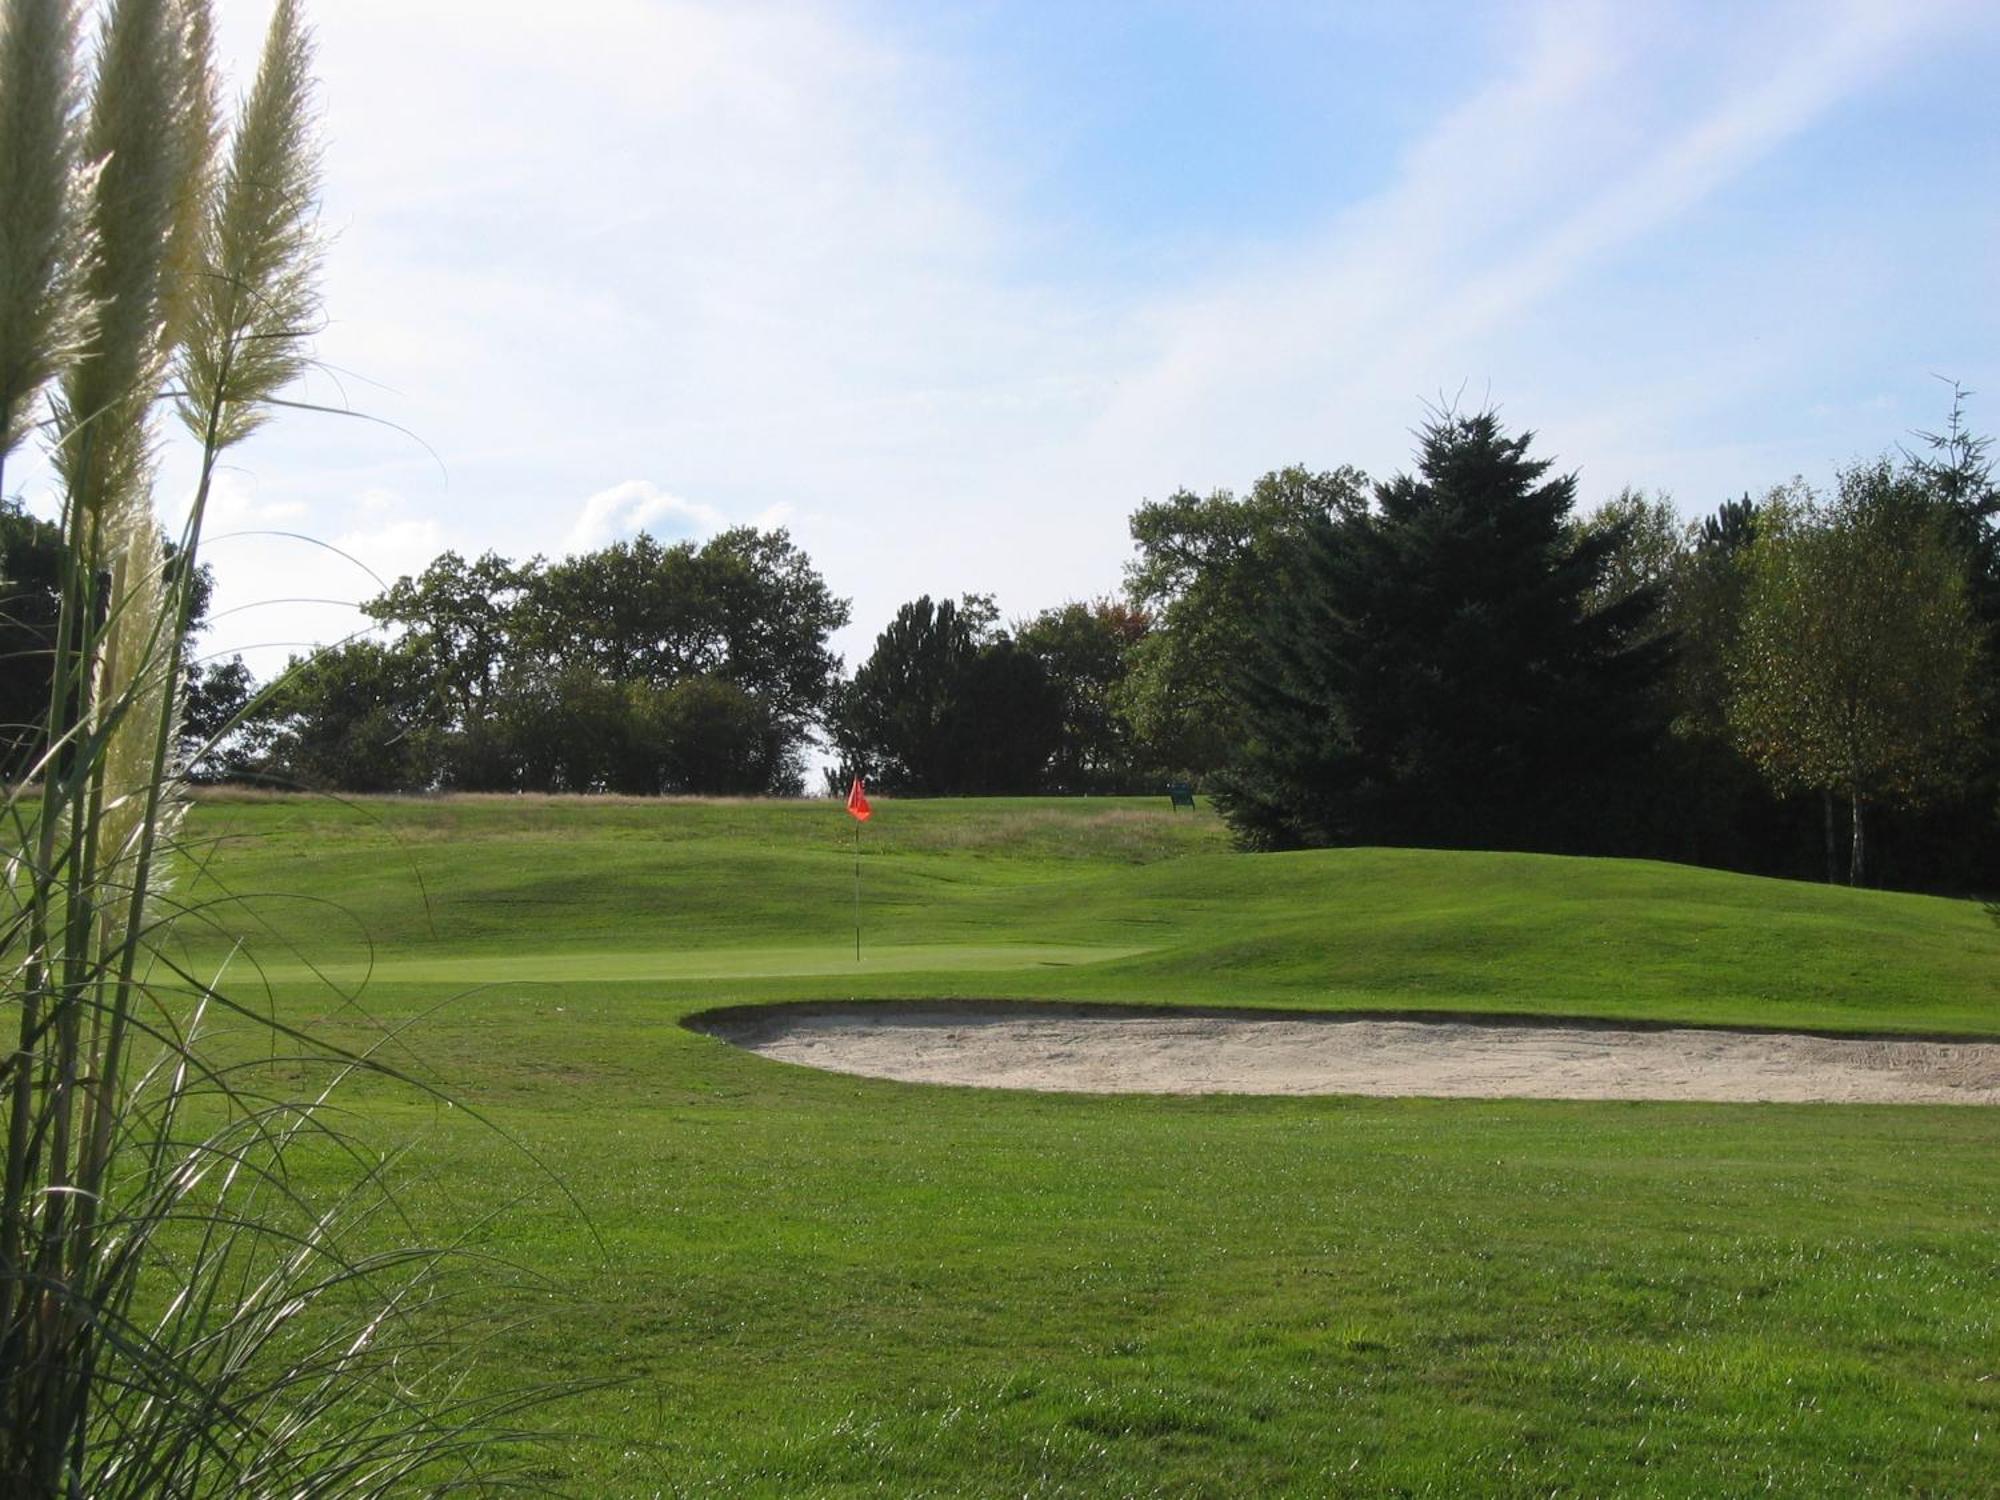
(699, 963)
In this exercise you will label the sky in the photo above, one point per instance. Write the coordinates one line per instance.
(948, 289)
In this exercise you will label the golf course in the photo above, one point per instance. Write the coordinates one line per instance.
(771, 1279)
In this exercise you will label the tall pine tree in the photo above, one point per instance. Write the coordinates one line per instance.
(1441, 677)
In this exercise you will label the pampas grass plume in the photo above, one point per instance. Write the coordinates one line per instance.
(137, 132)
(201, 135)
(43, 184)
(258, 294)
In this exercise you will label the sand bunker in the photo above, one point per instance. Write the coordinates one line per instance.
(1118, 1050)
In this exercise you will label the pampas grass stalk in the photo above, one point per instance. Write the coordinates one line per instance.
(244, 1379)
(103, 455)
(247, 313)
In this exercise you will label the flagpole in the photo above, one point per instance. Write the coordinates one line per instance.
(857, 809)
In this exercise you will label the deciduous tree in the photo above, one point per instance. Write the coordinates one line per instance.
(948, 704)
(746, 607)
(1855, 669)
(1207, 566)
(723, 643)
(356, 717)
(1086, 650)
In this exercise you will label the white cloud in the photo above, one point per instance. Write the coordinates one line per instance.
(285, 581)
(393, 547)
(637, 505)
(235, 504)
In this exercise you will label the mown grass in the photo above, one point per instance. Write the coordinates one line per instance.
(825, 1285)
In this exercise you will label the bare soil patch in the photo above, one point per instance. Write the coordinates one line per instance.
(1122, 1050)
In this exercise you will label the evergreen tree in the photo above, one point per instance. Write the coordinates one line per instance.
(1957, 472)
(1440, 675)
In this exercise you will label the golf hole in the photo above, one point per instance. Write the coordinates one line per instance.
(1128, 1050)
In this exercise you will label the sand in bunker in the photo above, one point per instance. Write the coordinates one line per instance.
(1085, 1049)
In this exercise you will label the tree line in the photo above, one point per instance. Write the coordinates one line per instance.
(641, 668)
(1800, 682)
(1460, 660)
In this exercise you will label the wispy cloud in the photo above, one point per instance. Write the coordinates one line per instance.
(1591, 139)
(763, 255)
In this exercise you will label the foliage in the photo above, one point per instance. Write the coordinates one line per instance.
(1956, 837)
(1206, 568)
(713, 736)
(1648, 544)
(746, 606)
(215, 703)
(1856, 665)
(455, 625)
(31, 571)
(640, 667)
(356, 716)
(567, 729)
(948, 704)
(1438, 675)
(1711, 804)
(1956, 469)
(1731, 528)
(31, 609)
(1704, 608)
(559, 730)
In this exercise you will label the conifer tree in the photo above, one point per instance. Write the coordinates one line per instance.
(1441, 677)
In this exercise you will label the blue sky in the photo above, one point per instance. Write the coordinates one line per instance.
(948, 289)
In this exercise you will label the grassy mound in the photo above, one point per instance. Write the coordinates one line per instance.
(825, 1285)
(1082, 899)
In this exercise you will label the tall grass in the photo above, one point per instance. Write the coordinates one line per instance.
(177, 1316)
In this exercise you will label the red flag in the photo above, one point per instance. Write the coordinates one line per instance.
(857, 803)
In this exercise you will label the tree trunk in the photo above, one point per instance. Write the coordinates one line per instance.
(1832, 854)
(1857, 869)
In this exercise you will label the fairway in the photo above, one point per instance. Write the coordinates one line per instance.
(708, 963)
(809, 1283)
